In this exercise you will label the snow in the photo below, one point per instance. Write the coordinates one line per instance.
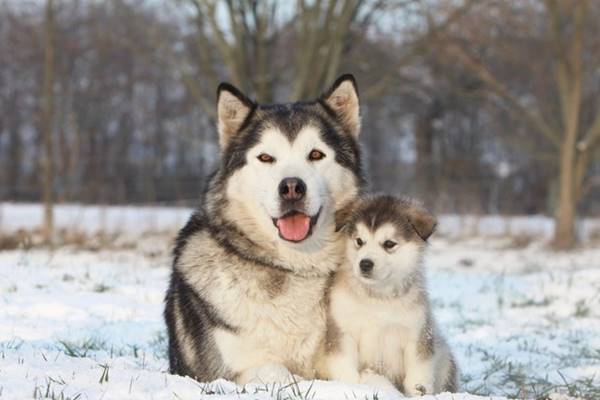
(109, 219)
(87, 324)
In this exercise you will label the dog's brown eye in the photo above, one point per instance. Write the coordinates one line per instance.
(388, 244)
(359, 242)
(316, 155)
(263, 157)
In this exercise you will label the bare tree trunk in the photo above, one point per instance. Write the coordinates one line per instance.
(424, 133)
(47, 120)
(15, 154)
(569, 79)
(564, 220)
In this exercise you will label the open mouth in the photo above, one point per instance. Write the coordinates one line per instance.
(295, 226)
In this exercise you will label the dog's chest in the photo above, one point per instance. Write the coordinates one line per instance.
(381, 328)
(294, 302)
(288, 328)
(275, 315)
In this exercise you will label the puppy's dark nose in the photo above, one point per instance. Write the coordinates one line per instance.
(292, 189)
(366, 266)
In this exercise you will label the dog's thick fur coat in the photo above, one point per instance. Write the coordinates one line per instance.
(381, 330)
(243, 303)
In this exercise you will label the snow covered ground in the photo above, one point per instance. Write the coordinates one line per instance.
(85, 323)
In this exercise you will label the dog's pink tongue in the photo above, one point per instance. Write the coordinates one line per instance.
(294, 227)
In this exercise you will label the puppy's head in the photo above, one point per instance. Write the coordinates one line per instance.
(386, 237)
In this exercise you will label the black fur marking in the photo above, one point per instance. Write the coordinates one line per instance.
(198, 318)
(451, 384)
(221, 234)
(343, 78)
(332, 332)
(290, 119)
(224, 86)
(347, 149)
(375, 211)
(224, 234)
(426, 344)
(196, 223)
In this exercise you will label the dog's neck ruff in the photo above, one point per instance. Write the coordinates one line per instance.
(231, 238)
(413, 282)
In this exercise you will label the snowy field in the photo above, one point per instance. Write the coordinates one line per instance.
(83, 321)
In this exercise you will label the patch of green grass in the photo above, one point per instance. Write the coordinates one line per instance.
(81, 349)
(159, 345)
(104, 376)
(101, 288)
(53, 389)
(545, 302)
(514, 381)
(581, 309)
(12, 289)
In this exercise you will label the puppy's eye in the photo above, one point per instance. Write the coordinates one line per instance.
(264, 157)
(359, 242)
(388, 244)
(316, 155)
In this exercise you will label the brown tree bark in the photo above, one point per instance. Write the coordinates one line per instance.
(569, 82)
(15, 147)
(424, 135)
(47, 121)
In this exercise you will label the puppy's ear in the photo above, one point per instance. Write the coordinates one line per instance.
(343, 218)
(422, 221)
(342, 99)
(232, 110)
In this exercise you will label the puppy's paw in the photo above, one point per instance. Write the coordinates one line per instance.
(417, 389)
(380, 382)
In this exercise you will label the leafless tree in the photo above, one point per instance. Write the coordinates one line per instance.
(553, 45)
(47, 122)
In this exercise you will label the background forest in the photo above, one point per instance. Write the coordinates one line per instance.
(474, 106)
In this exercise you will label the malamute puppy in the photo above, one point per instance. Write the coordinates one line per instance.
(250, 270)
(381, 329)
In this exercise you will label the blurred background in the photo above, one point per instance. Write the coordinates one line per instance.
(486, 110)
(475, 107)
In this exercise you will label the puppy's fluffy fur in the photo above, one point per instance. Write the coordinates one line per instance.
(380, 327)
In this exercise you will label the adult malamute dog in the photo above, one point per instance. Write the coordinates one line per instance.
(250, 270)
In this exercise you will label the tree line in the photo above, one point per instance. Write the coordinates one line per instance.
(472, 106)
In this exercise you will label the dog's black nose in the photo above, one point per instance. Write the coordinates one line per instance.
(292, 189)
(366, 266)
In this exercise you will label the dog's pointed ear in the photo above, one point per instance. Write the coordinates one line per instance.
(233, 108)
(422, 221)
(342, 99)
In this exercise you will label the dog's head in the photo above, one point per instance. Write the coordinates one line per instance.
(287, 168)
(386, 237)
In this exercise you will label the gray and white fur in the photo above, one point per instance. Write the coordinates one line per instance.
(381, 330)
(252, 265)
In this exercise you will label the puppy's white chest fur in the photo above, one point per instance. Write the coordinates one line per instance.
(380, 327)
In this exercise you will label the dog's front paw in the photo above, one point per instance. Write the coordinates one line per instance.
(268, 373)
(377, 381)
(417, 389)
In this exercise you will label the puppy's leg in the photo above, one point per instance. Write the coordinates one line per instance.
(446, 379)
(420, 370)
(342, 363)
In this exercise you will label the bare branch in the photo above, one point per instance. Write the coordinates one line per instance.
(531, 117)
